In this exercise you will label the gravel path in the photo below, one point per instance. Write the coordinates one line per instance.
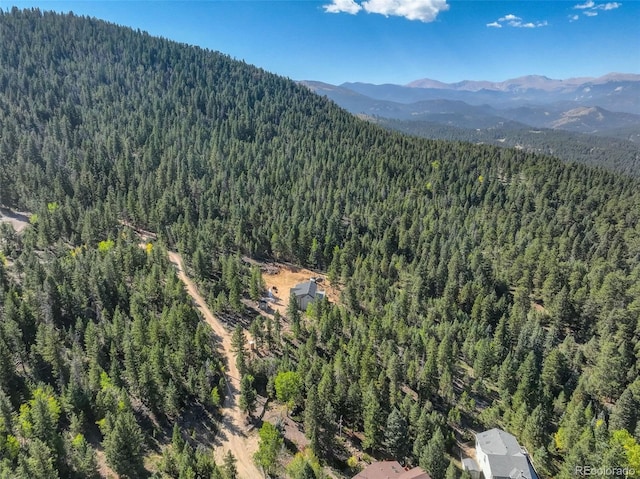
(232, 435)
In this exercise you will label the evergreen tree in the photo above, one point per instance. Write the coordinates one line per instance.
(452, 471)
(294, 316)
(238, 346)
(372, 418)
(39, 464)
(534, 432)
(277, 327)
(432, 458)
(608, 374)
(396, 436)
(82, 458)
(229, 466)
(625, 412)
(123, 443)
(256, 283)
(312, 420)
(248, 395)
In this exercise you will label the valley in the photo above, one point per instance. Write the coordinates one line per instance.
(567, 119)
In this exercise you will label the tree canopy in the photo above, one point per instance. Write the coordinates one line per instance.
(479, 286)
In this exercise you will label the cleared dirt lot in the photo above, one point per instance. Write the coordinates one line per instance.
(18, 220)
(285, 276)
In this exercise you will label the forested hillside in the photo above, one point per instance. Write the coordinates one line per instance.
(481, 286)
(617, 154)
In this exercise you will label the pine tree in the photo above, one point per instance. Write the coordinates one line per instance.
(371, 415)
(534, 433)
(608, 374)
(40, 462)
(452, 471)
(256, 283)
(82, 458)
(176, 438)
(123, 444)
(433, 459)
(625, 412)
(229, 466)
(238, 346)
(396, 436)
(527, 382)
(554, 372)
(293, 314)
(248, 394)
(277, 328)
(312, 420)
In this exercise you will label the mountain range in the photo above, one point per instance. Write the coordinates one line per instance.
(532, 112)
(607, 104)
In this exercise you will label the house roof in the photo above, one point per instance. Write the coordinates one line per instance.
(390, 470)
(506, 457)
(498, 442)
(304, 289)
(470, 464)
(415, 473)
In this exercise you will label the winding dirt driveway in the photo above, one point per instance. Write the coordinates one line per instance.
(231, 436)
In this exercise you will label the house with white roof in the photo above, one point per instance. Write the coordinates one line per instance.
(498, 455)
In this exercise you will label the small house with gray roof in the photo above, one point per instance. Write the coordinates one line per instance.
(499, 456)
(306, 293)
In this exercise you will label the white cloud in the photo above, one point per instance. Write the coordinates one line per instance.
(587, 4)
(510, 17)
(516, 22)
(590, 8)
(423, 10)
(343, 6)
(533, 25)
(574, 18)
(609, 6)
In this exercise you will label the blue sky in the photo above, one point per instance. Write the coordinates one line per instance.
(392, 41)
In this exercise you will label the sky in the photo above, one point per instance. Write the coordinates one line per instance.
(392, 41)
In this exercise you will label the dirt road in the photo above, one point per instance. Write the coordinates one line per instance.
(232, 435)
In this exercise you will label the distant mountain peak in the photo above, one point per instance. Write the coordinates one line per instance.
(527, 82)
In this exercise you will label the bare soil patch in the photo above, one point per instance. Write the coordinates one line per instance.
(293, 431)
(19, 220)
(281, 277)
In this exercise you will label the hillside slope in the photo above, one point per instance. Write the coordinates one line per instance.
(565, 129)
(461, 266)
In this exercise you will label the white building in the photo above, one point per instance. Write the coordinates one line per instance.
(499, 456)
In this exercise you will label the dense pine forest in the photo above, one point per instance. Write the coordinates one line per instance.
(618, 153)
(480, 287)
